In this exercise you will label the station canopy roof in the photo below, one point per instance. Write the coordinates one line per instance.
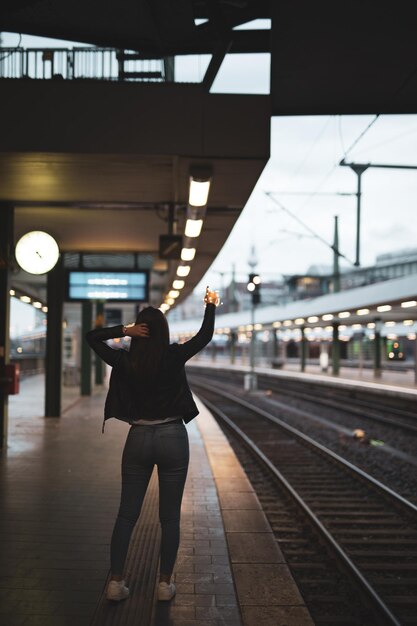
(392, 300)
(326, 58)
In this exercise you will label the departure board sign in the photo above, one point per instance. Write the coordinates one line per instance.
(105, 285)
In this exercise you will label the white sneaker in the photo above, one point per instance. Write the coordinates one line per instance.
(166, 591)
(117, 590)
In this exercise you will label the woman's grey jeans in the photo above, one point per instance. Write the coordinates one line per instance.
(166, 445)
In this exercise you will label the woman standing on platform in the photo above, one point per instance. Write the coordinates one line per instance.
(149, 390)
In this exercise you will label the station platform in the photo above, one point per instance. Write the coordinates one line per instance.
(397, 384)
(60, 482)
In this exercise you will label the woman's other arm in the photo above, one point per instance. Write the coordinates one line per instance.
(98, 336)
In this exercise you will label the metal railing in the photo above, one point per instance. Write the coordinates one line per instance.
(78, 63)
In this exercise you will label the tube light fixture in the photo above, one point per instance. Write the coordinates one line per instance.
(327, 317)
(187, 254)
(408, 322)
(25, 299)
(45, 309)
(389, 323)
(193, 227)
(37, 305)
(174, 293)
(178, 284)
(406, 305)
(183, 270)
(328, 328)
(276, 324)
(299, 321)
(343, 314)
(199, 191)
(356, 326)
(383, 307)
(312, 319)
(362, 311)
(287, 323)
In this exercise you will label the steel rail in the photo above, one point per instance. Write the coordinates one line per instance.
(371, 595)
(355, 410)
(403, 503)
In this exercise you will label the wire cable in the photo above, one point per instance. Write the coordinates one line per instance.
(269, 194)
(361, 135)
(311, 148)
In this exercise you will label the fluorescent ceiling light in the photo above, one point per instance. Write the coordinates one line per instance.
(362, 311)
(344, 314)
(12, 292)
(37, 305)
(25, 299)
(183, 270)
(193, 228)
(406, 305)
(389, 323)
(187, 254)
(173, 293)
(327, 317)
(287, 323)
(199, 191)
(178, 284)
(384, 307)
(299, 320)
(408, 322)
(170, 301)
(312, 319)
(45, 309)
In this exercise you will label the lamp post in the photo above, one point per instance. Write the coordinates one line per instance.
(377, 348)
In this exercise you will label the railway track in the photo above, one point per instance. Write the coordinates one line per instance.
(366, 527)
(399, 414)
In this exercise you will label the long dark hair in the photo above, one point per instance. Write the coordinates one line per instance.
(146, 352)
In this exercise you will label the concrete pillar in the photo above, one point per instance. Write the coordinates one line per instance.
(377, 349)
(86, 315)
(336, 349)
(53, 360)
(6, 255)
(99, 368)
(324, 356)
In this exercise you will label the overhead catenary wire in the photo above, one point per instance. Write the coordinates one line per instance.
(270, 195)
(360, 136)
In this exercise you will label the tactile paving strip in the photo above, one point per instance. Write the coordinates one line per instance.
(140, 569)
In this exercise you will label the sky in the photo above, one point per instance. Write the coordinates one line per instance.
(305, 153)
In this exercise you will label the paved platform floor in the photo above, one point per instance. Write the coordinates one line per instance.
(60, 486)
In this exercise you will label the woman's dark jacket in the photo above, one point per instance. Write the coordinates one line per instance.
(171, 395)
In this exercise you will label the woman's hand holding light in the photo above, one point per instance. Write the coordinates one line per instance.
(137, 330)
(211, 297)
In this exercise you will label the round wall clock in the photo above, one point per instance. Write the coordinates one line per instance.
(37, 252)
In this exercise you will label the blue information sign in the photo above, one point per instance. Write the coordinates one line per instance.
(104, 285)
